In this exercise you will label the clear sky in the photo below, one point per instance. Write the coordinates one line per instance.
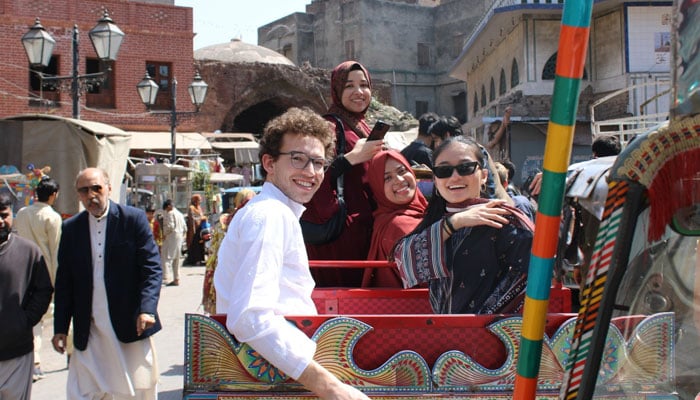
(219, 21)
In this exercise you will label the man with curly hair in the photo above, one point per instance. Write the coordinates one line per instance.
(263, 271)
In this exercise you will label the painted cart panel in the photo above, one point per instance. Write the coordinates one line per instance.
(424, 356)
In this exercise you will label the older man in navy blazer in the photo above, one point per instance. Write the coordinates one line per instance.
(108, 283)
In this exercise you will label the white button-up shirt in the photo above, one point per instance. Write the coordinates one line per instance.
(262, 275)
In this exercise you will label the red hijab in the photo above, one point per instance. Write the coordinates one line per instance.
(339, 76)
(391, 221)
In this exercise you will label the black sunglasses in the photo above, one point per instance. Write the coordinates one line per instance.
(463, 169)
(85, 189)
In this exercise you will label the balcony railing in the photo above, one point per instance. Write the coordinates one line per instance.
(627, 127)
(499, 4)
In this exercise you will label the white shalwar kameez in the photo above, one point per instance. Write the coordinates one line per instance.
(262, 275)
(174, 230)
(108, 368)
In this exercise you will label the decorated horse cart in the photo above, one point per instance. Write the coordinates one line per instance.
(636, 334)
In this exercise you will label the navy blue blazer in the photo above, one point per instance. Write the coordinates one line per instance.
(132, 275)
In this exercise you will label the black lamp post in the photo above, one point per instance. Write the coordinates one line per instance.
(148, 89)
(106, 38)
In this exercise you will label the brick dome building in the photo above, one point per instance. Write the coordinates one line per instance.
(249, 85)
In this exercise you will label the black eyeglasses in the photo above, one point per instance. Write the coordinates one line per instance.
(94, 188)
(301, 160)
(463, 169)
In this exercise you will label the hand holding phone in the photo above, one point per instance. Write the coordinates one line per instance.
(380, 129)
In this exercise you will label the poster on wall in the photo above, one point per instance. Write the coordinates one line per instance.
(648, 38)
(662, 47)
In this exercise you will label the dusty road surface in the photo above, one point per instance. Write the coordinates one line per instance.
(175, 301)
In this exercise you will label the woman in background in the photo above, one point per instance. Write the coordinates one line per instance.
(400, 208)
(195, 246)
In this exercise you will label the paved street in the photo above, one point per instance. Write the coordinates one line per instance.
(174, 303)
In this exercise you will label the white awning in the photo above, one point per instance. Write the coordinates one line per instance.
(220, 177)
(242, 152)
(241, 148)
(161, 141)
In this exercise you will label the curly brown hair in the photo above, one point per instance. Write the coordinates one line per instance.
(300, 121)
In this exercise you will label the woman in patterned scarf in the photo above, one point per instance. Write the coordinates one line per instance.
(472, 252)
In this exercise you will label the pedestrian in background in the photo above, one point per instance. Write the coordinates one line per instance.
(155, 225)
(174, 230)
(41, 224)
(419, 151)
(605, 146)
(195, 245)
(25, 294)
(108, 283)
(520, 202)
(497, 144)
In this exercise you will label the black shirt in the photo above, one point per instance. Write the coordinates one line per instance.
(418, 153)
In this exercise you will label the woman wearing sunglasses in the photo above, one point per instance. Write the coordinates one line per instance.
(400, 208)
(472, 252)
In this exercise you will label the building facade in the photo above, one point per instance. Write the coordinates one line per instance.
(158, 38)
(474, 58)
(410, 44)
(509, 59)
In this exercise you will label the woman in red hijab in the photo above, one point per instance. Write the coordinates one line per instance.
(351, 93)
(400, 207)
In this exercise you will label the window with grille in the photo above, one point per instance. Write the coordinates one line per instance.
(421, 107)
(287, 51)
(423, 55)
(43, 94)
(161, 73)
(549, 71)
(502, 89)
(457, 45)
(514, 74)
(459, 103)
(349, 49)
(102, 95)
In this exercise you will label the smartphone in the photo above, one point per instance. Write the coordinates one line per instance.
(380, 129)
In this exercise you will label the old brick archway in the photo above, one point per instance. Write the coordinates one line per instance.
(255, 117)
(243, 97)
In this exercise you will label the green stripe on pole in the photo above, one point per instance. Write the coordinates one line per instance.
(539, 277)
(529, 357)
(565, 100)
(577, 13)
(551, 205)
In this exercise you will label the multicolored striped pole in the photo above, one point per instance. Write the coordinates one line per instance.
(571, 58)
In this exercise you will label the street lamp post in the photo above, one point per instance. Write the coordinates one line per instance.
(106, 38)
(148, 90)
